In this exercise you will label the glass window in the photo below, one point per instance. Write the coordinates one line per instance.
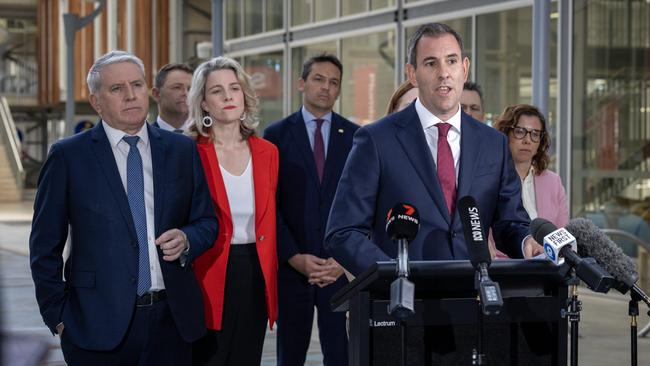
(368, 76)
(233, 19)
(298, 56)
(611, 116)
(324, 10)
(379, 4)
(265, 71)
(274, 10)
(503, 59)
(353, 7)
(301, 12)
(197, 25)
(253, 17)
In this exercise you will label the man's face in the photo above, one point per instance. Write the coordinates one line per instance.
(122, 99)
(172, 95)
(470, 101)
(440, 74)
(321, 89)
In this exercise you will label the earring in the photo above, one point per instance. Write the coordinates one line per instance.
(243, 116)
(207, 121)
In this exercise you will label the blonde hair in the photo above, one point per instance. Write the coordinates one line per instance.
(197, 96)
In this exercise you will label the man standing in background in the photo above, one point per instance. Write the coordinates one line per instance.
(471, 101)
(314, 143)
(170, 88)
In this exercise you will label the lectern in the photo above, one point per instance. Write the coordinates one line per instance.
(531, 328)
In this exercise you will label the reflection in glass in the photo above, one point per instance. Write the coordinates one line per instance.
(274, 9)
(368, 76)
(301, 12)
(233, 24)
(611, 115)
(266, 76)
(253, 17)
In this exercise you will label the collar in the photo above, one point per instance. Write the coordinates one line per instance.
(428, 119)
(115, 136)
(166, 126)
(308, 117)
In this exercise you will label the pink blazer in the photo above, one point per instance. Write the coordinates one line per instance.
(550, 198)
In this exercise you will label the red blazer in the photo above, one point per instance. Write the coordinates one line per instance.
(210, 267)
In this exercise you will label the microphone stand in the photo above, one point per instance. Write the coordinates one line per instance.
(633, 311)
(489, 302)
(402, 293)
(573, 313)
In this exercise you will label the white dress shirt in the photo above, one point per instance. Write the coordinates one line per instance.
(429, 122)
(120, 152)
(166, 126)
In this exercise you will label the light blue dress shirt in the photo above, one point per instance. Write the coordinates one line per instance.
(310, 124)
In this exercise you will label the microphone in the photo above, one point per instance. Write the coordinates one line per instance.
(594, 243)
(402, 225)
(479, 255)
(559, 244)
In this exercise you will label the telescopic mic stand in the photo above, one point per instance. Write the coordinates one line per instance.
(402, 292)
(489, 303)
(573, 313)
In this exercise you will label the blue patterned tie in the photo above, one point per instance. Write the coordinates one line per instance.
(135, 194)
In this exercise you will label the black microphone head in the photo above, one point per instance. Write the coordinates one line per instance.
(594, 243)
(477, 247)
(539, 228)
(402, 222)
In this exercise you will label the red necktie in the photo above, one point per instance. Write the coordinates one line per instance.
(446, 171)
(319, 149)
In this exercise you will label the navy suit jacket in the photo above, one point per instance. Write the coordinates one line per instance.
(390, 162)
(304, 203)
(80, 188)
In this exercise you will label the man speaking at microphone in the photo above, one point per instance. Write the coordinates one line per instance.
(429, 154)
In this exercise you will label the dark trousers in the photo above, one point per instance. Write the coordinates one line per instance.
(152, 339)
(243, 326)
(296, 302)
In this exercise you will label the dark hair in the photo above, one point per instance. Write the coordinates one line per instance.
(323, 57)
(509, 119)
(397, 95)
(472, 86)
(161, 77)
(430, 30)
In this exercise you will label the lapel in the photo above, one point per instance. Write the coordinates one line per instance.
(215, 183)
(299, 133)
(470, 148)
(158, 152)
(261, 155)
(104, 156)
(336, 154)
(411, 136)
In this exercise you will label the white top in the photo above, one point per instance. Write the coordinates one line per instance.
(240, 191)
(429, 122)
(528, 194)
(120, 152)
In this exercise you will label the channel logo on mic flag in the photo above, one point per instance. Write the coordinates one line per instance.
(550, 253)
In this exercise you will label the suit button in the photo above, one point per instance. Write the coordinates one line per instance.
(261, 237)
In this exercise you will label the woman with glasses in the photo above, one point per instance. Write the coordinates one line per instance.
(542, 193)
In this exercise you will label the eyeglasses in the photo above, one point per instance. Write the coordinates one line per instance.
(520, 133)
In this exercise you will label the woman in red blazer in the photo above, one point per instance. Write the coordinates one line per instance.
(238, 275)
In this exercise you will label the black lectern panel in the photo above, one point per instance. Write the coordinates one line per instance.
(529, 330)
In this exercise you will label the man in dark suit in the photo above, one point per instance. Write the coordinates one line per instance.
(135, 200)
(314, 143)
(170, 88)
(429, 155)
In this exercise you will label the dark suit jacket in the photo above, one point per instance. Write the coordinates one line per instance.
(303, 203)
(390, 162)
(80, 187)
